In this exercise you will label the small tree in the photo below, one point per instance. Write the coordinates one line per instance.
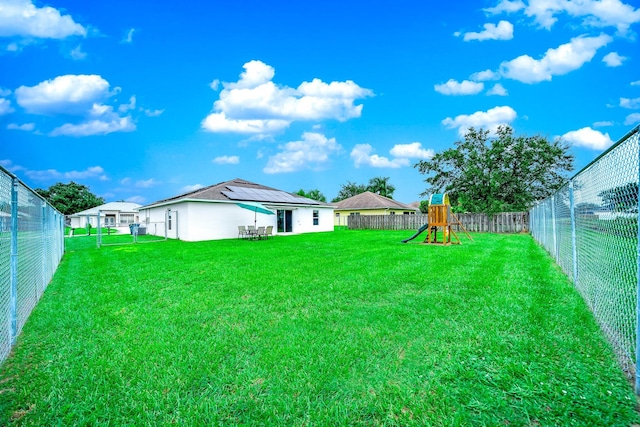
(312, 194)
(380, 185)
(424, 206)
(349, 189)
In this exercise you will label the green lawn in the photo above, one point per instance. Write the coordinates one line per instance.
(328, 329)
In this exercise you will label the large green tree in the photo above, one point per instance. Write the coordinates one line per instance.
(380, 185)
(314, 194)
(70, 198)
(498, 173)
(349, 189)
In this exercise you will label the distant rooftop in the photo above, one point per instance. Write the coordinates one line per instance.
(369, 200)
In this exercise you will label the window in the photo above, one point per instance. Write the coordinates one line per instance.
(126, 218)
(316, 217)
(110, 221)
(392, 213)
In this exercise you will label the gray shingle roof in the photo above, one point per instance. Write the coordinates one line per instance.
(369, 200)
(217, 192)
(111, 206)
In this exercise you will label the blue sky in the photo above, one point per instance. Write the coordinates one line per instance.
(145, 100)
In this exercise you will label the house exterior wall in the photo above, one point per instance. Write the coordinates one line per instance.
(197, 221)
(303, 220)
(80, 221)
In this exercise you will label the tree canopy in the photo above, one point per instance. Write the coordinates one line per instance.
(314, 194)
(349, 189)
(500, 173)
(70, 198)
(621, 198)
(379, 185)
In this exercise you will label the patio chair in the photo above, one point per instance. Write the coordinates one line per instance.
(269, 231)
(242, 232)
(260, 232)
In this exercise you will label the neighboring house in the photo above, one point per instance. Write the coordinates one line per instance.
(369, 203)
(214, 212)
(113, 214)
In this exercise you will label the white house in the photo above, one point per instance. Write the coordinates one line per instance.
(114, 214)
(215, 212)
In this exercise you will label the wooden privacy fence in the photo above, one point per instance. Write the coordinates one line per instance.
(505, 222)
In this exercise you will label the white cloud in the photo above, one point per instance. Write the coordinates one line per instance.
(131, 105)
(485, 75)
(502, 31)
(506, 6)
(77, 53)
(632, 104)
(561, 60)
(254, 104)
(413, 150)
(64, 94)
(95, 127)
(632, 119)
(603, 124)
(361, 155)
(153, 113)
(128, 38)
(612, 59)
(452, 87)
(136, 199)
(22, 18)
(636, 83)
(218, 122)
(93, 172)
(588, 138)
(498, 90)
(215, 84)
(191, 188)
(594, 13)
(28, 127)
(79, 95)
(489, 120)
(147, 183)
(312, 152)
(226, 160)
(5, 107)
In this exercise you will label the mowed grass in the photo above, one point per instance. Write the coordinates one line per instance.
(327, 329)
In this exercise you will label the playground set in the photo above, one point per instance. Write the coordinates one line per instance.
(440, 217)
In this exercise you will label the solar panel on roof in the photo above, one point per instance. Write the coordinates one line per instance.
(262, 195)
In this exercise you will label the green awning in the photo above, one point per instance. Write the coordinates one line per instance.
(255, 207)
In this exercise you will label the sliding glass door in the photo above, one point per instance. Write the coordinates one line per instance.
(285, 221)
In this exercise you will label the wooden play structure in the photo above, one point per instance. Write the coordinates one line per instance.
(440, 218)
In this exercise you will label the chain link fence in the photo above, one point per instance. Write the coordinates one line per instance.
(31, 247)
(590, 227)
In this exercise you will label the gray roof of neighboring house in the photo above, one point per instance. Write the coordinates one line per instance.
(223, 192)
(111, 206)
(369, 200)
